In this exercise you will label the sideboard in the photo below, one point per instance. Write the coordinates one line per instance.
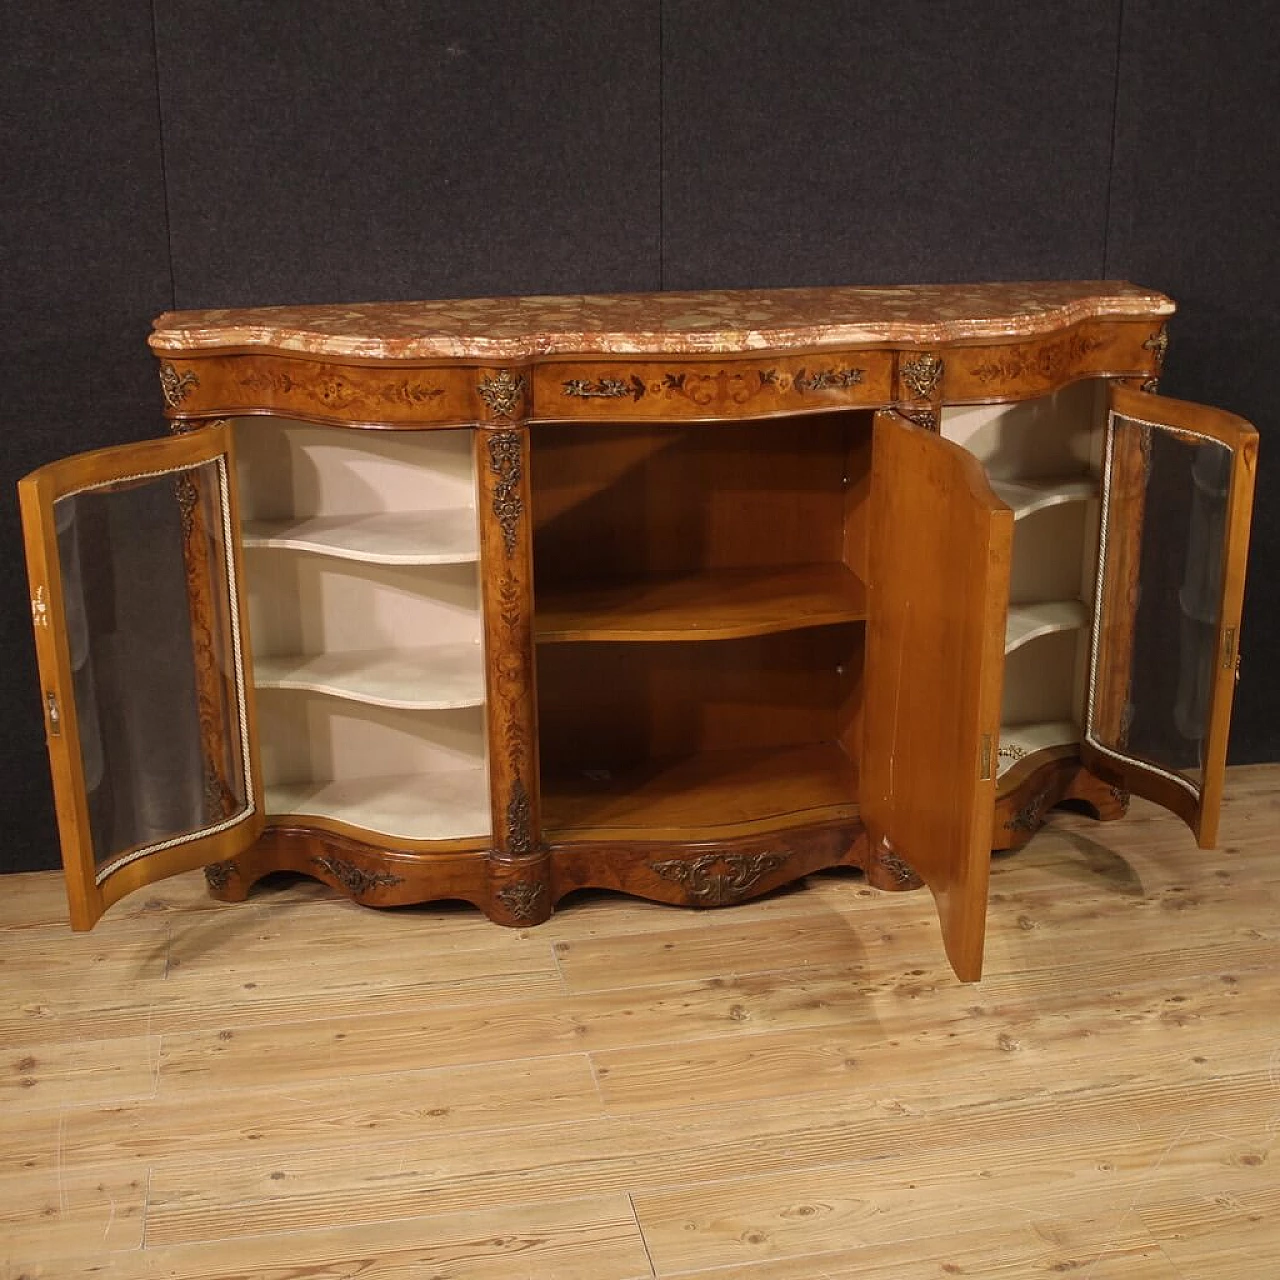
(686, 595)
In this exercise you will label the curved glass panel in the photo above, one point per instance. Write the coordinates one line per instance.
(1159, 596)
(148, 584)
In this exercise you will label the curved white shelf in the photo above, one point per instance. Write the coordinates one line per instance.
(1028, 622)
(1026, 497)
(421, 806)
(384, 537)
(1017, 741)
(437, 678)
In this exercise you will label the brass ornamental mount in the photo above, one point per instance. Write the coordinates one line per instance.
(519, 819)
(355, 879)
(176, 387)
(740, 874)
(506, 464)
(502, 392)
(521, 898)
(921, 375)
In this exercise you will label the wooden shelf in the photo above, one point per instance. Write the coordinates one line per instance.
(435, 678)
(451, 805)
(1027, 622)
(715, 794)
(1026, 497)
(384, 537)
(716, 604)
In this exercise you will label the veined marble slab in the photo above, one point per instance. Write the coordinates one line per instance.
(504, 329)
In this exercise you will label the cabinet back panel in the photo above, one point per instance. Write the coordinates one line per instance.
(1041, 680)
(307, 737)
(612, 705)
(1049, 549)
(290, 469)
(301, 603)
(611, 499)
(1050, 437)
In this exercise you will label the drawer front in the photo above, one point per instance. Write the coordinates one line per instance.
(684, 389)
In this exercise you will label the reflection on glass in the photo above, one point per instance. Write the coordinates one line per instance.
(1159, 596)
(147, 588)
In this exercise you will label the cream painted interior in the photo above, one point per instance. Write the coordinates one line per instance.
(1044, 458)
(361, 571)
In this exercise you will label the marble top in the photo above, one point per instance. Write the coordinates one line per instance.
(719, 320)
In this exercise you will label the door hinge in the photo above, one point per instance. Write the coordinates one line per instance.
(984, 765)
(55, 715)
(1229, 649)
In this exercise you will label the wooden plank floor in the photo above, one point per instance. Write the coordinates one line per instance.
(794, 1089)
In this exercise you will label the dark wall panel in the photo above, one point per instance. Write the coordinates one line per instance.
(395, 149)
(1195, 211)
(84, 260)
(831, 141)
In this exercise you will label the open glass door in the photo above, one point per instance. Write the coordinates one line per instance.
(1177, 494)
(938, 594)
(133, 559)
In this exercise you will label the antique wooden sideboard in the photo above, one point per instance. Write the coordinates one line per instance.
(686, 595)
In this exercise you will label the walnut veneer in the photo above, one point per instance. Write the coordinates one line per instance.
(684, 595)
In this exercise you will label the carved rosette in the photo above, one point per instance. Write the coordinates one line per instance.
(718, 879)
(175, 386)
(355, 879)
(921, 375)
(522, 898)
(505, 463)
(502, 392)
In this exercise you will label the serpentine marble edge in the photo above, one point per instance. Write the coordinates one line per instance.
(711, 321)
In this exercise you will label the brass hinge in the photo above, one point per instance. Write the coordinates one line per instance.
(1229, 648)
(984, 767)
(55, 715)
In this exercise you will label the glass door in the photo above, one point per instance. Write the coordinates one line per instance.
(134, 565)
(1177, 494)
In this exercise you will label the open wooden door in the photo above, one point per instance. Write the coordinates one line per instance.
(1177, 495)
(938, 593)
(134, 563)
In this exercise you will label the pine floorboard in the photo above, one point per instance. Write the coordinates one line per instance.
(797, 1088)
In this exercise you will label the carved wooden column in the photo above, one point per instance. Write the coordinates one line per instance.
(519, 880)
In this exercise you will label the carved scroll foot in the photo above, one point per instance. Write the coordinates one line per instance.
(887, 870)
(519, 891)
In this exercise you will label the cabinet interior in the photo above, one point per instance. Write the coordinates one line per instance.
(361, 553)
(1044, 459)
(699, 612)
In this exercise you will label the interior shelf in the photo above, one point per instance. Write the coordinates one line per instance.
(1017, 741)
(1026, 497)
(452, 805)
(438, 677)
(709, 604)
(1027, 622)
(711, 793)
(446, 536)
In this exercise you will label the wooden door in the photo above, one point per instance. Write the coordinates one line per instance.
(1177, 494)
(134, 562)
(937, 599)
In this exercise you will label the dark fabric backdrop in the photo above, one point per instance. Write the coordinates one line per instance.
(227, 152)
